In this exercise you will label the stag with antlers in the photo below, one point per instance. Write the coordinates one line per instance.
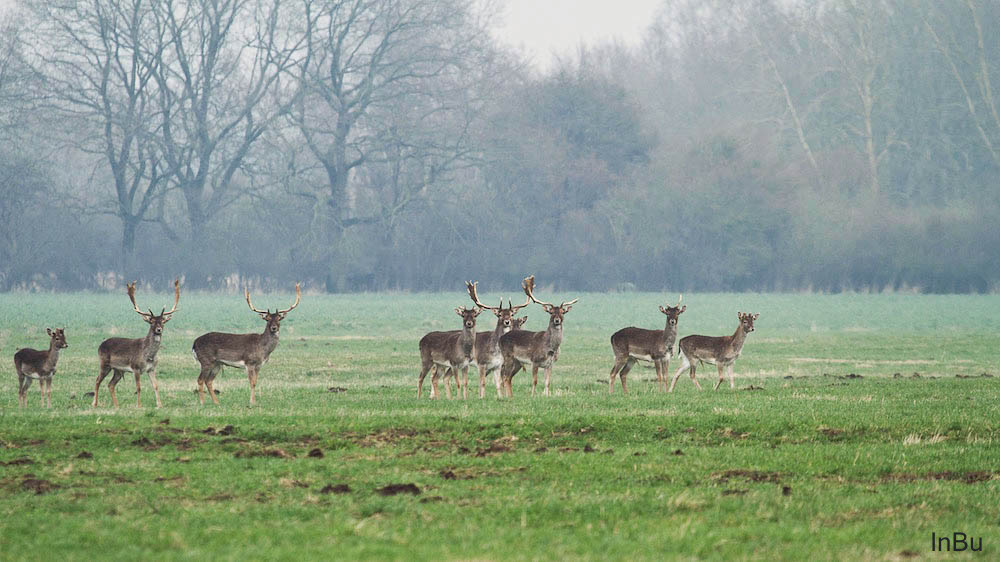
(539, 349)
(247, 351)
(36, 364)
(637, 344)
(721, 350)
(136, 355)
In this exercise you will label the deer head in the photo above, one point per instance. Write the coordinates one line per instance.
(673, 312)
(556, 313)
(58, 338)
(274, 319)
(505, 315)
(746, 321)
(468, 316)
(156, 321)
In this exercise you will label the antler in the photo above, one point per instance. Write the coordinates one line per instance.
(298, 297)
(529, 286)
(131, 297)
(177, 298)
(679, 299)
(514, 309)
(471, 287)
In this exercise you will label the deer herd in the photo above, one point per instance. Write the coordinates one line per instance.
(502, 351)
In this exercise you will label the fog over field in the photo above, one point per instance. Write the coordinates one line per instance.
(369, 145)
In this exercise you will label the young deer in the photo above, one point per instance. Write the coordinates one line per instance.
(722, 350)
(247, 351)
(540, 349)
(448, 350)
(34, 364)
(635, 344)
(136, 355)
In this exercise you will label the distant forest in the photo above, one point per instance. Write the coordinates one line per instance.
(368, 145)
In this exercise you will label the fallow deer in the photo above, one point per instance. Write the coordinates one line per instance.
(540, 349)
(247, 351)
(488, 356)
(720, 350)
(637, 344)
(35, 364)
(448, 350)
(136, 355)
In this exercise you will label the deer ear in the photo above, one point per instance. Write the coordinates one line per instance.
(566, 308)
(166, 319)
(663, 310)
(756, 315)
(458, 311)
(739, 315)
(683, 308)
(49, 330)
(264, 315)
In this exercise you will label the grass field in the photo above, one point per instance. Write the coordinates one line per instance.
(801, 461)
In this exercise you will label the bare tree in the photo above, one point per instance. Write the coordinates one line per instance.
(99, 60)
(392, 86)
(219, 61)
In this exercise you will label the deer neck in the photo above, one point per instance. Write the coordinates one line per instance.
(151, 344)
(496, 333)
(553, 336)
(50, 361)
(669, 334)
(736, 343)
(468, 339)
(269, 341)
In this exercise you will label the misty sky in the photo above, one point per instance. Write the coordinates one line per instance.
(550, 28)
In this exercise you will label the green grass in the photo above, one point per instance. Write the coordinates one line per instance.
(810, 465)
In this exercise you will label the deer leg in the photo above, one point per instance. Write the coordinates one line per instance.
(720, 376)
(482, 381)
(48, 391)
(665, 369)
(211, 379)
(465, 382)
(732, 384)
(138, 389)
(534, 378)
(156, 389)
(548, 376)
(105, 369)
(691, 372)
(685, 363)
(619, 363)
(111, 386)
(623, 374)
(202, 376)
(252, 375)
(424, 367)
(434, 383)
(23, 382)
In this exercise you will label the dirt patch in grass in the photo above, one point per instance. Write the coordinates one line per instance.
(971, 477)
(38, 486)
(18, 462)
(336, 489)
(274, 453)
(85, 455)
(395, 489)
(228, 430)
(733, 492)
(316, 453)
(501, 445)
(751, 475)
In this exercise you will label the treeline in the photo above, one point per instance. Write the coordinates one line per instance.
(394, 144)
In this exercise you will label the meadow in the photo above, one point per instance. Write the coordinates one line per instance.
(860, 425)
